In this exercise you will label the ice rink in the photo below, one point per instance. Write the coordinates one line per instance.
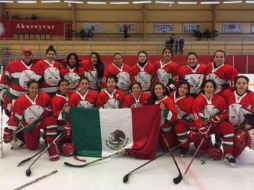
(108, 174)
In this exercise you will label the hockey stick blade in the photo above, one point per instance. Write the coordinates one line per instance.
(28, 172)
(26, 160)
(126, 178)
(178, 179)
(74, 165)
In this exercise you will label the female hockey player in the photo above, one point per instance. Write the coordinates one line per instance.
(32, 112)
(183, 102)
(210, 117)
(169, 116)
(110, 98)
(166, 70)
(143, 72)
(222, 74)
(193, 72)
(240, 102)
(93, 70)
(72, 71)
(49, 70)
(136, 98)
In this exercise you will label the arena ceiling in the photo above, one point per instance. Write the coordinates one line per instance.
(132, 1)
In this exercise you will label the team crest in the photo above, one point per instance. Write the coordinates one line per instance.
(181, 113)
(210, 111)
(117, 140)
(26, 76)
(195, 81)
(219, 82)
(33, 113)
(123, 80)
(84, 104)
(52, 76)
(236, 114)
(144, 79)
(164, 76)
(73, 79)
(136, 105)
(111, 104)
(92, 79)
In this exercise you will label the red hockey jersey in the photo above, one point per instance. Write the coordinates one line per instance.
(88, 100)
(91, 73)
(204, 109)
(72, 75)
(50, 73)
(28, 111)
(166, 73)
(130, 101)
(195, 77)
(183, 105)
(237, 106)
(123, 76)
(223, 75)
(144, 75)
(108, 100)
(16, 76)
(169, 115)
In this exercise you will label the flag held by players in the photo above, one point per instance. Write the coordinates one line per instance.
(101, 132)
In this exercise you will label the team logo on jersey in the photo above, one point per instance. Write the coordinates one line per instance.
(219, 82)
(144, 79)
(73, 79)
(195, 81)
(210, 111)
(136, 105)
(123, 80)
(84, 104)
(33, 113)
(111, 104)
(2, 29)
(52, 76)
(26, 76)
(164, 77)
(92, 79)
(117, 140)
(236, 114)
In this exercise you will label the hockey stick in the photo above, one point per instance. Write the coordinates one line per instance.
(179, 178)
(28, 170)
(27, 159)
(89, 163)
(126, 177)
(173, 157)
(36, 180)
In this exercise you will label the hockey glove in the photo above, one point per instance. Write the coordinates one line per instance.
(8, 135)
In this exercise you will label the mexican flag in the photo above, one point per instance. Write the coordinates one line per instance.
(102, 132)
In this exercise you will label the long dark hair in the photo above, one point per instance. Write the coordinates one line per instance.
(182, 82)
(154, 98)
(207, 81)
(50, 48)
(241, 77)
(68, 59)
(99, 65)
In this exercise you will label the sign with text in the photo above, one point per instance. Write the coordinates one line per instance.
(10, 27)
(163, 28)
(191, 27)
(232, 27)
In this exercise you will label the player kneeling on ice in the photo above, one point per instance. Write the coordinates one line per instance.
(241, 107)
(210, 115)
(183, 102)
(59, 103)
(168, 116)
(32, 112)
